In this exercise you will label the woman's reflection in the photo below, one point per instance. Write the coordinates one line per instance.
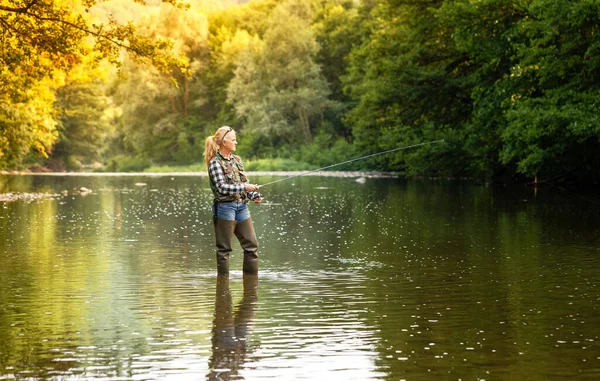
(230, 328)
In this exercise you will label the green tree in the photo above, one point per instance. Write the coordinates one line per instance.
(160, 110)
(225, 47)
(27, 125)
(84, 123)
(41, 36)
(41, 40)
(337, 30)
(484, 34)
(406, 78)
(278, 88)
(553, 125)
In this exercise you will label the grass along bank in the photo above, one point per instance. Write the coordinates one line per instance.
(260, 165)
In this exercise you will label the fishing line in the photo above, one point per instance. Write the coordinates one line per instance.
(352, 160)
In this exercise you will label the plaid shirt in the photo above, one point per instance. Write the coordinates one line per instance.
(217, 176)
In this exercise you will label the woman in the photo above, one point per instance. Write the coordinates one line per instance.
(232, 192)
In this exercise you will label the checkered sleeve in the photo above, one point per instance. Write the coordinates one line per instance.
(254, 195)
(215, 171)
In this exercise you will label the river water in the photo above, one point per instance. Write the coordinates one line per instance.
(383, 280)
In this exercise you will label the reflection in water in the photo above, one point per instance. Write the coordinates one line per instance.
(230, 328)
(385, 280)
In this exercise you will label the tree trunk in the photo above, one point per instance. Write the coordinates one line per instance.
(173, 105)
(305, 124)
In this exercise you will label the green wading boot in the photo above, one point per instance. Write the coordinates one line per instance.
(223, 232)
(244, 231)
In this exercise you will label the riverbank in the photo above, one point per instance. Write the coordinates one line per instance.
(365, 174)
(38, 196)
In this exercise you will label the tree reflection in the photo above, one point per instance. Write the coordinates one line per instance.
(230, 329)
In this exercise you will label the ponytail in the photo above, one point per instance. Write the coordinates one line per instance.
(210, 149)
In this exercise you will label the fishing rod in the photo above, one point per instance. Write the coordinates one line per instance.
(352, 160)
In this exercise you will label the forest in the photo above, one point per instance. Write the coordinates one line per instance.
(512, 87)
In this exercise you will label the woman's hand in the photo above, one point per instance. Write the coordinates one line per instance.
(251, 187)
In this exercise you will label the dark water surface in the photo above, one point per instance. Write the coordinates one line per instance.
(386, 280)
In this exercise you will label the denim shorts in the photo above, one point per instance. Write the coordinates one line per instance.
(231, 211)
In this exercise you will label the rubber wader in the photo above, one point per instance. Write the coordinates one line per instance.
(244, 231)
(223, 233)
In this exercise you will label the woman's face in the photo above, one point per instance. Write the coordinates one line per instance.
(229, 142)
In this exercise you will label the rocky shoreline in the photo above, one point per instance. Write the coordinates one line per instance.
(367, 174)
(27, 197)
(31, 197)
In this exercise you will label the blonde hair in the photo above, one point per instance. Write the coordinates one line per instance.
(212, 143)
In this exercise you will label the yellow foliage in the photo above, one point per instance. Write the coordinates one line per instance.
(47, 43)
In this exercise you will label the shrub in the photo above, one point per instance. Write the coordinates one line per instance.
(263, 165)
(123, 163)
